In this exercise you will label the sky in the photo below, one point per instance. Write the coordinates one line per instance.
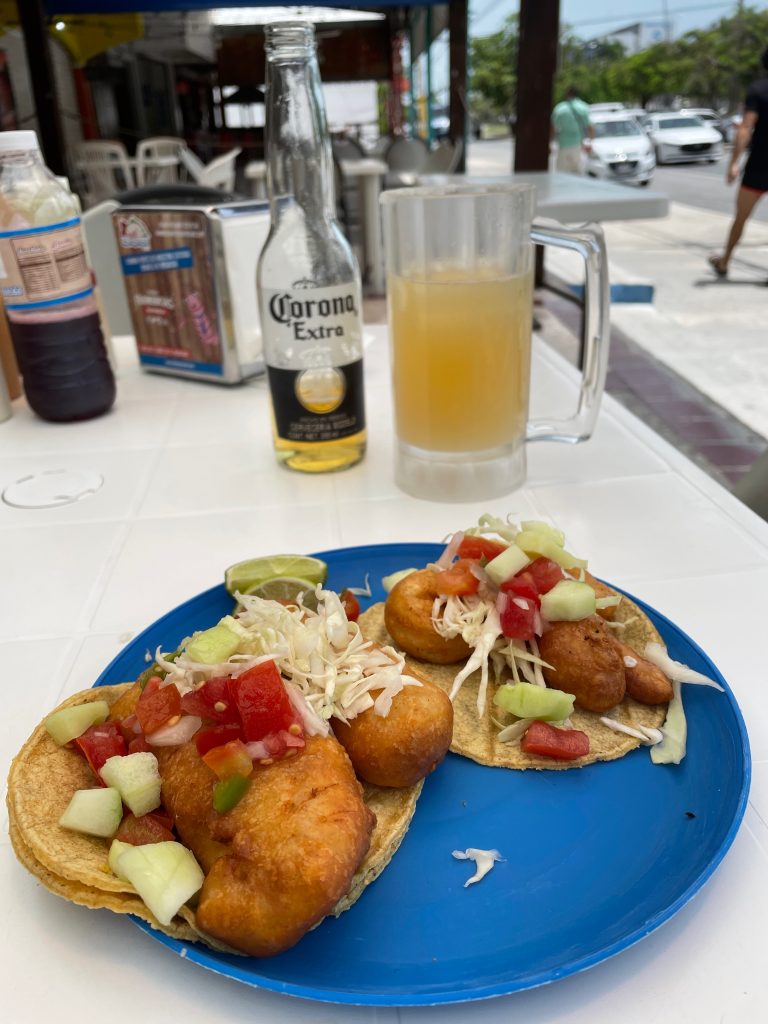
(589, 18)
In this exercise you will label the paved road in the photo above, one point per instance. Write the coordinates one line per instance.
(701, 185)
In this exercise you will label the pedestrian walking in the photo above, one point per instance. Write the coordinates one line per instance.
(752, 133)
(569, 128)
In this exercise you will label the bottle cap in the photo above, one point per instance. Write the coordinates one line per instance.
(17, 142)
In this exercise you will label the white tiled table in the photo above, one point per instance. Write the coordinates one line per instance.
(190, 486)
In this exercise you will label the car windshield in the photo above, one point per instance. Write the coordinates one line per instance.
(680, 122)
(616, 129)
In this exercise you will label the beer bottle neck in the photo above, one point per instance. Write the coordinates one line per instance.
(298, 150)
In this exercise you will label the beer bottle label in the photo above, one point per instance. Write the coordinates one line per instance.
(319, 403)
(296, 321)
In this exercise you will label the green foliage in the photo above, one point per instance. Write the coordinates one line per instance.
(710, 67)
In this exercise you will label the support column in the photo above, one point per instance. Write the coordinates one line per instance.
(457, 28)
(536, 68)
(35, 29)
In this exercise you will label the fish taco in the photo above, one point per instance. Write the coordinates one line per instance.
(546, 666)
(212, 799)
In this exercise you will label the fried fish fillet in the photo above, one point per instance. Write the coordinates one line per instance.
(281, 859)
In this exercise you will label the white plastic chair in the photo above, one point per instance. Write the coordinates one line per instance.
(219, 173)
(407, 155)
(105, 168)
(152, 148)
(104, 257)
(443, 159)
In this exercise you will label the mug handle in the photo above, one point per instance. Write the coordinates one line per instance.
(589, 242)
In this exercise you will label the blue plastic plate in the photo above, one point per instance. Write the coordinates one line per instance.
(595, 858)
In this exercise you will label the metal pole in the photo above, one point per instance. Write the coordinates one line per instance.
(411, 80)
(457, 28)
(34, 26)
(429, 76)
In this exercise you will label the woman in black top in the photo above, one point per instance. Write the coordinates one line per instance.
(752, 132)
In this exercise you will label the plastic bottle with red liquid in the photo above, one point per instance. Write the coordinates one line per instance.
(47, 289)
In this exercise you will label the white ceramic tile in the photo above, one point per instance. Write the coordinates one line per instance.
(702, 967)
(93, 653)
(56, 572)
(211, 414)
(624, 528)
(606, 455)
(131, 423)
(125, 475)
(99, 965)
(404, 519)
(758, 802)
(227, 476)
(166, 561)
(715, 611)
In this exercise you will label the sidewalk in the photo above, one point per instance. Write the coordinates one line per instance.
(693, 364)
(714, 333)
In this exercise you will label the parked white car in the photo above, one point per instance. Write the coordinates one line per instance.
(683, 138)
(620, 150)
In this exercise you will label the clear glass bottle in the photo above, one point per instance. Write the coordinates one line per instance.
(307, 277)
(48, 289)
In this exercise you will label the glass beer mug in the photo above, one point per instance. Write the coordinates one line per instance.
(460, 300)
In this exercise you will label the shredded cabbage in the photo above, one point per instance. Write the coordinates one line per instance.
(330, 670)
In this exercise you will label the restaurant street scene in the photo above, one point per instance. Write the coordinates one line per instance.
(383, 511)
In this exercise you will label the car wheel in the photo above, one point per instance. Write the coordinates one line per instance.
(645, 183)
(659, 161)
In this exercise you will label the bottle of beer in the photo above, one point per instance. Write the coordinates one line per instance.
(307, 277)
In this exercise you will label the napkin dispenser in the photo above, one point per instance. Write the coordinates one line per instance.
(190, 280)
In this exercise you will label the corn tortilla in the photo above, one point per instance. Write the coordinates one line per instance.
(477, 738)
(41, 782)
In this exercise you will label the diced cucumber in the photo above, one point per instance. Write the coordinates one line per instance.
(389, 581)
(537, 526)
(116, 849)
(568, 601)
(69, 723)
(535, 543)
(97, 812)
(137, 780)
(165, 875)
(540, 702)
(213, 645)
(507, 564)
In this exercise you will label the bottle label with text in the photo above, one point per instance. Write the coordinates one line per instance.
(317, 404)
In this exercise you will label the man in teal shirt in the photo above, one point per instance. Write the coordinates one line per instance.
(570, 126)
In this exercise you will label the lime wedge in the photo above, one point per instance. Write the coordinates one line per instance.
(286, 588)
(246, 576)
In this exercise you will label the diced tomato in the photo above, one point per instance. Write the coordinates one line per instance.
(562, 744)
(139, 745)
(545, 573)
(129, 727)
(262, 701)
(101, 742)
(458, 579)
(518, 617)
(149, 828)
(480, 547)
(155, 708)
(230, 759)
(522, 585)
(351, 605)
(163, 817)
(211, 736)
(212, 701)
(152, 685)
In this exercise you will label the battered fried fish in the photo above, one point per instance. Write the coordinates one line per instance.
(280, 860)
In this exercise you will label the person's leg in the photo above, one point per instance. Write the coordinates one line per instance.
(746, 201)
(569, 160)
